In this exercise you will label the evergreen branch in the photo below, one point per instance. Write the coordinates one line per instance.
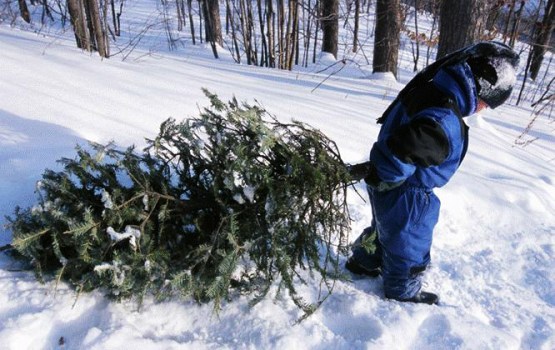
(6, 247)
(82, 228)
(20, 242)
(58, 279)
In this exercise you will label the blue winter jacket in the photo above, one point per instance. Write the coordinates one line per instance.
(425, 148)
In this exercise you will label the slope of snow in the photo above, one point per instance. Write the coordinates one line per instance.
(494, 248)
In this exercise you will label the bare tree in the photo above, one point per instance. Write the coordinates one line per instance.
(89, 26)
(212, 24)
(542, 39)
(46, 12)
(79, 23)
(356, 25)
(230, 23)
(316, 32)
(512, 5)
(96, 27)
(532, 30)
(493, 15)
(460, 24)
(24, 11)
(261, 23)
(433, 8)
(516, 24)
(191, 23)
(330, 26)
(180, 7)
(291, 34)
(310, 29)
(387, 38)
(270, 33)
(116, 16)
(416, 48)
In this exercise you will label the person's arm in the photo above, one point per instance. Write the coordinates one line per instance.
(420, 143)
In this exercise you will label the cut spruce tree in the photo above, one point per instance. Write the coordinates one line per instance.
(229, 202)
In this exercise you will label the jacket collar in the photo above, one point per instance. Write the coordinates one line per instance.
(457, 81)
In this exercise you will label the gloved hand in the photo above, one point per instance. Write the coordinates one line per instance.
(359, 171)
(368, 172)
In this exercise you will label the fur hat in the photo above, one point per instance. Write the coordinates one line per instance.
(495, 75)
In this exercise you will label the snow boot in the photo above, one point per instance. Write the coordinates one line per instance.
(358, 269)
(421, 298)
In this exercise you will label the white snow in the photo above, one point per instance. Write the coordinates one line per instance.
(131, 232)
(494, 247)
(106, 199)
(506, 77)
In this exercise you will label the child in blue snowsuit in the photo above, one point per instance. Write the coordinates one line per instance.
(422, 142)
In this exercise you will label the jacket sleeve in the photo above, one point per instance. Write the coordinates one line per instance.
(419, 143)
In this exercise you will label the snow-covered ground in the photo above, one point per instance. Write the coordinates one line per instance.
(494, 247)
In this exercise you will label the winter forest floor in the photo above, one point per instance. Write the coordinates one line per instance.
(493, 258)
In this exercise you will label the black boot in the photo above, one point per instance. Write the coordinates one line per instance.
(362, 262)
(422, 298)
(358, 269)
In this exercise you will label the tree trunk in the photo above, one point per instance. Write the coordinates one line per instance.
(532, 35)
(291, 34)
(270, 33)
(212, 23)
(330, 26)
(78, 21)
(516, 24)
(191, 22)
(45, 12)
(95, 23)
(180, 7)
(230, 22)
(252, 34)
(316, 31)
(105, 28)
(356, 25)
(434, 10)
(542, 39)
(417, 37)
(460, 24)
(493, 16)
(308, 19)
(247, 42)
(264, 48)
(24, 11)
(387, 38)
(280, 32)
(116, 17)
(508, 20)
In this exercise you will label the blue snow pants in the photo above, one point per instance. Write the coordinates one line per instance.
(404, 219)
